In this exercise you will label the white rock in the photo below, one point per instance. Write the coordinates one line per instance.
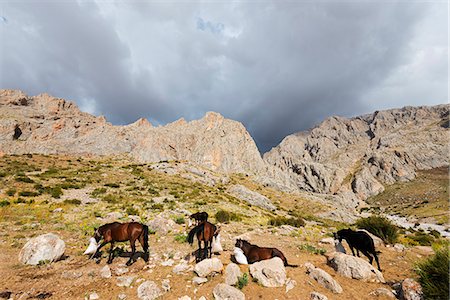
(199, 280)
(328, 240)
(58, 210)
(121, 270)
(71, 274)
(323, 278)
(168, 263)
(94, 296)
(105, 272)
(383, 292)
(165, 284)
(181, 267)
(290, 284)
(354, 267)
(122, 296)
(125, 280)
(410, 290)
(269, 272)
(223, 291)
(232, 272)
(149, 290)
(399, 247)
(161, 225)
(317, 296)
(185, 298)
(208, 266)
(47, 247)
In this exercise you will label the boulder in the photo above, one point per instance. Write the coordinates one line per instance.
(317, 296)
(224, 291)
(181, 267)
(161, 225)
(208, 266)
(354, 267)
(125, 281)
(199, 280)
(148, 290)
(410, 290)
(232, 272)
(269, 272)
(44, 248)
(376, 240)
(382, 292)
(323, 278)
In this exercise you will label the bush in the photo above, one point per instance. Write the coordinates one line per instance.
(11, 192)
(422, 238)
(434, 276)
(113, 185)
(4, 203)
(179, 220)
(72, 201)
(131, 211)
(224, 216)
(181, 238)
(278, 221)
(24, 178)
(242, 281)
(110, 198)
(56, 192)
(98, 191)
(311, 249)
(28, 194)
(381, 227)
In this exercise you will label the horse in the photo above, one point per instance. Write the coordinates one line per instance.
(118, 232)
(205, 232)
(199, 217)
(361, 241)
(255, 253)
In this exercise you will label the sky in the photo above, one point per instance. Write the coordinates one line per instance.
(278, 67)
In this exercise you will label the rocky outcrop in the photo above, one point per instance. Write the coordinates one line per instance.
(356, 157)
(42, 249)
(49, 125)
(354, 267)
(269, 272)
(253, 198)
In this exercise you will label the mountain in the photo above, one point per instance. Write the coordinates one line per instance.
(355, 158)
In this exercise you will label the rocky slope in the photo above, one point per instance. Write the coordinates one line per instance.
(47, 125)
(354, 158)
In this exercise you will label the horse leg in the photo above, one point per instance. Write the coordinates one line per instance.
(353, 251)
(199, 252)
(357, 252)
(133, 251)
(111, 253)
(98, 249)
(376, 259)
(142, 242)
(368, 256)
(210, 249)
(206, 249)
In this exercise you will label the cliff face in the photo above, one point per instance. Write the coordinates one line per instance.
(348, 160)
(48, 125)
(355, 157)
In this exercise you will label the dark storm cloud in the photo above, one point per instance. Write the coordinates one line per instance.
(276, 67)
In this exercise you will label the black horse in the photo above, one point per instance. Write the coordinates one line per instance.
(199, 217)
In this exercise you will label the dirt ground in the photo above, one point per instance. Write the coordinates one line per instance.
(36, 280)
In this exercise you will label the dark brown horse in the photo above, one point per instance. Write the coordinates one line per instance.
(199, 217)
(118, 232)
(255, 253)
(205, 232)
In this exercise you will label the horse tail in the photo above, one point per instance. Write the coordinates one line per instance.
(280, 254)
(216, 231)
(145, 232)
(193, 232)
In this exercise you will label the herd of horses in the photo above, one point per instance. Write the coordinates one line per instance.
(206, 232)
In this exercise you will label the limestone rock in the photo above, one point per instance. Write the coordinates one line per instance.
(323, 278)
(354, 267)
(125, 280)
(382, 292)
(254, 198)
(44, 248)
(208, 266)
(148, 290)
(199, 280)
(317, 296)
(410, 290)
(71, 274)
(269, 272)
(232, 272)
(223, 291)
(290, 284)
(105, 272)
(161, 225)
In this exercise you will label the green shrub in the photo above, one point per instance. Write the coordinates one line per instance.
(311, 249)
(98, 191)
(24, 178)
(110, 198)
(179, 220)
(4, 203)
(158, 206)
(242, 281)
(113, 185)
(224, 216)
(422, 238)
(28, 194)
(181, 238)
(278, 221)
(131, 211)
(434, 276)
(20, 200)
(11, 192)
(72, 201)
(381, 227)
(56, 192)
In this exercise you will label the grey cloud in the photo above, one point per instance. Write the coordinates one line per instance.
(277, 67)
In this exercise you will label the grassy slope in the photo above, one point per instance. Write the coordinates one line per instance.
(424, 197)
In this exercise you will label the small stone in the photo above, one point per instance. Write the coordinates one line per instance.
(58, 210)
(149, 290)
(383, 292)
(125, 280)
(184, 298)
(71, 274)
(181, 267)
(317, 296)
(121, 270)
(290, 284)
(94, 296)
(411, 290)
(105, 272)
(168, 263)
(199, 280)
(165, 284)
(121, 296)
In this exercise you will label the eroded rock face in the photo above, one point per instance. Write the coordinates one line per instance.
(269, 272)
(224, 291)
(354, 267)
(363, 153)
(42, 249)
(254, 198)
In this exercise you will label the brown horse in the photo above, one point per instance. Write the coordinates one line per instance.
(199, 217)
(205, 232)
(118, 232)
(255, 253)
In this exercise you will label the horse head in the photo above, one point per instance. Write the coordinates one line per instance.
(97, 235)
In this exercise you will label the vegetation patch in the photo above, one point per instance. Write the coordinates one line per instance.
(224, 216)
(381, 227)
(278, 221)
